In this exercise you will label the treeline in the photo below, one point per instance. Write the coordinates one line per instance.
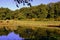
(50, 11)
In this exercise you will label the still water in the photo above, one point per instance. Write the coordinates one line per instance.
(11, 36)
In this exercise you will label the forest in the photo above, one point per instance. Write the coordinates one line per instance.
(43, 12)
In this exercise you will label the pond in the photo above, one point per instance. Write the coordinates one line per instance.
(11, 36)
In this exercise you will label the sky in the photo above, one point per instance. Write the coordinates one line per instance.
(12, 6)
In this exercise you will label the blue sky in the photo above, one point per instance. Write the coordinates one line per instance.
(11, 4)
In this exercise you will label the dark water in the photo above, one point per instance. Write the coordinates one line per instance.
(11, 36)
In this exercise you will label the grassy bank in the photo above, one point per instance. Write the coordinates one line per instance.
(32, 29)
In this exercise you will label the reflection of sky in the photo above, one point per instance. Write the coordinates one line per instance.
(11, 36)
(11, 4)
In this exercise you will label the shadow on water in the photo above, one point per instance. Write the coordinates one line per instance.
(11, 36)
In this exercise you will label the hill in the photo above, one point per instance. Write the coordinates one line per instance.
(44, 12)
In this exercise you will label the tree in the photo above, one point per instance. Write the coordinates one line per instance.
(57, 9)
(42, 9)
(51, 10)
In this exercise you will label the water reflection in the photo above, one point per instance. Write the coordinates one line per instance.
(11, 36)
